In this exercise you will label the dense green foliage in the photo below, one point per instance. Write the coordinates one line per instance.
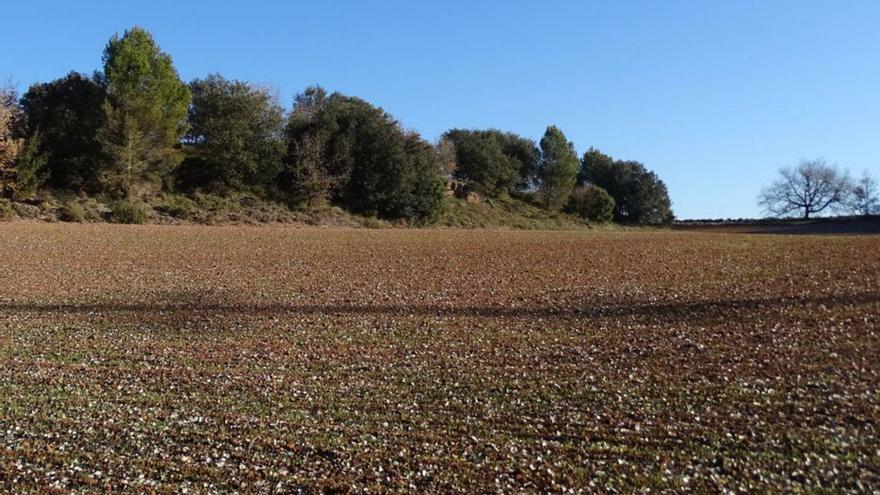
(145, 112)
(494, 162)
(66, 114)
(235, 139)
(358, 156)
(592, 203)
(30, 168)
(557, 168)
(137, 138)
(640, 196)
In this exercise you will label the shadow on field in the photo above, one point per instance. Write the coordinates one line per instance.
(613, 309)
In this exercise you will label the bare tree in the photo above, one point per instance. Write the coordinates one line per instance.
(314, 183)
(865, 199)
(446, 153)
(811, 187)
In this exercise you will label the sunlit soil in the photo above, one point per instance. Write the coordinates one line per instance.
(264, 359)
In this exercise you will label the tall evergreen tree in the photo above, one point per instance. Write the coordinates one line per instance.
(145, 111)
(557, 168)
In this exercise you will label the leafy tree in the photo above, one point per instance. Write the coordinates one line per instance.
(235, 138)
(493, 161)
(525, 154)
(640, 197)
(596, 165)
(557, 168)
(67, 116)
(421, 196)
(145, 112)
(357, 155)
(865, 199)
(31, 169)
(10, 146)
(592, 203)
(309, 176)
(812, 187)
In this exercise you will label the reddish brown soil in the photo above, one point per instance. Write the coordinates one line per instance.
(263, 359)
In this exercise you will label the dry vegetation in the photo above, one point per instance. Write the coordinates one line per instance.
(275, 359)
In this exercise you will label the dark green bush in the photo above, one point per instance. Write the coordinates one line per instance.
(179, 207)
(592, 203)
(127, 211)
(211, 202)
(71, 211)
(6, 210)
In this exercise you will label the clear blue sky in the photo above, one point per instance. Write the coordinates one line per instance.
(714, 96)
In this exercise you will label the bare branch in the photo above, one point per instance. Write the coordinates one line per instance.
(812, 187)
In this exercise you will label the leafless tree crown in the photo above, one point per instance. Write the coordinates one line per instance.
(811, 187)
(866, 195)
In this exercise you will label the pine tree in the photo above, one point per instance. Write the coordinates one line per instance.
(557, 168)
(145, 111)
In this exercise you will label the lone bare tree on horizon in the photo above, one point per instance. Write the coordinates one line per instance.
(866, 195)
(811, 187)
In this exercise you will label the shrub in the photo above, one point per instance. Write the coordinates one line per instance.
(92, 210)
(6, 210)
(127, 211)
(210, 202)
(592, 203)
(71, 211)
(26, 211)
(179, 207)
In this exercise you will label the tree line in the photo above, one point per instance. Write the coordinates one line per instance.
(135, 130)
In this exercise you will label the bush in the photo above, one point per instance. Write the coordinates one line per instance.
(592, 203)
(92, 210)
(179, 207)
(211, 202)
(6, 210)
(372, 223)
(71, 211)
(126, 211)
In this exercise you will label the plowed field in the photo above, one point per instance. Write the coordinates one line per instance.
(276, 359)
